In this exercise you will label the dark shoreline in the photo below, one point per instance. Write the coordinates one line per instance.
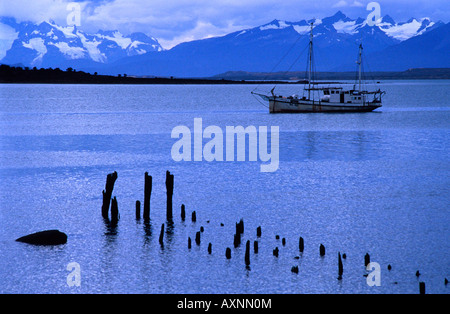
(19, 75)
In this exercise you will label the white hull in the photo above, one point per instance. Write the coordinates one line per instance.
(285, 105)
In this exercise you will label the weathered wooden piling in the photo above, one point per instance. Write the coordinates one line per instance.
(421, 287)
(237, 240)
(366, 259)
(240, 227)
(301, 245)
(107, 193)
(255, 247)
(258, 232)
(197, 238)
(189, 243)
(161, 235)
(228, 253)
(389, 267)
(247, 253)
(169, 188)
(445, 281)
(275, 252)
(114, 211)
(294, 269)
(147, 194)
(194, 216)
(138, 210)
(209, 248)
(322, 250)
(283, 241)
(340, 266)
(183, 212)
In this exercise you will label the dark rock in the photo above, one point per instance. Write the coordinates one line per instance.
(47, 237)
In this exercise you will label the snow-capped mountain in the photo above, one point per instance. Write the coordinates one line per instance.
(345, 25)
(279, 46)
(276, 46)
(50, 45)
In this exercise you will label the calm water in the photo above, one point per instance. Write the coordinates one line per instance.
(374, 182)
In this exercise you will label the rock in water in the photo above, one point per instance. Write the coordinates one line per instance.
(47, 237)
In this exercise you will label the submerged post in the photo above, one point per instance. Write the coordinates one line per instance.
(114, 211)
(147, 194)
(421, 287)
(340, 266)
(107, 193)
(247, 253)
(138, 210)
(366, 259)
(301, 245)
(169, 188)
(161, 235)
(322, 250)
(183, 212)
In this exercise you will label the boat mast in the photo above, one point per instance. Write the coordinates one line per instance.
(359, 64)
(310, 60)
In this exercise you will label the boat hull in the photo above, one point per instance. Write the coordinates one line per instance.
(284, 105)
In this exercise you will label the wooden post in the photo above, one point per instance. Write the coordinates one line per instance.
(247, 253)
(183, 212)
(209, 248)
(114, 211)
(258, 232)
(322, 250)
(237, 240)
(366, 259)
(161, 235)
(275, 252)
(147, 194)
(422, 287)
(240, 227)
(228, 253)
(189, 243)
(255, 247)
(107, 193)
(138, 210)
(340, 266)
(169, 188)
(194, 216)
(197, 238)
(301, 245)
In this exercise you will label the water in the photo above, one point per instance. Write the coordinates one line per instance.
(373, 182)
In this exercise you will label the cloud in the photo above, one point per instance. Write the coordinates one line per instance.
(357, 4)
(175, 21)
(340, 4)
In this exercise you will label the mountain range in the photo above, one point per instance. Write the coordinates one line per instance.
(275, 46)
(50, 45)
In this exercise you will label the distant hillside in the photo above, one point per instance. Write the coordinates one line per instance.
(423, 73)
(9, 74)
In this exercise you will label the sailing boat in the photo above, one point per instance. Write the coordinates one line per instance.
(334, 99)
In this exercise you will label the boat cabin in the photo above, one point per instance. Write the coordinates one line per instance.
(338, 95)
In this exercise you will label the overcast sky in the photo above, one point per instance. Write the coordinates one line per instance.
(174, 21)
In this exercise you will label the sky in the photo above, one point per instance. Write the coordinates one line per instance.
(175, 21)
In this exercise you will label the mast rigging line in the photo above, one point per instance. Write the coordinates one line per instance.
(282, 58)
